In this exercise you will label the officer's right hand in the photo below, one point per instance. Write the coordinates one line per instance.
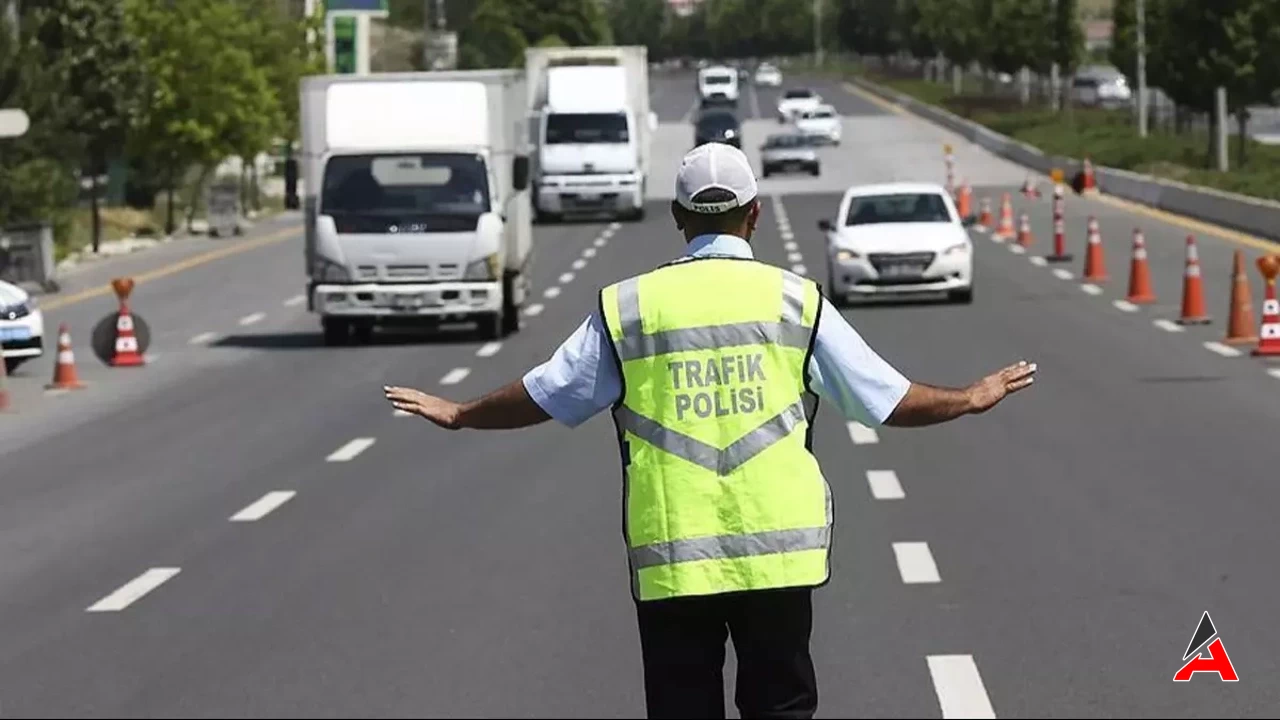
(987, 392)
(438, 410)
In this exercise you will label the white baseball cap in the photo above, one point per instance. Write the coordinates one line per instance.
(715, 166)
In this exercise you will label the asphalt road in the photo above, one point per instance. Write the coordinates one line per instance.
(1051, 558)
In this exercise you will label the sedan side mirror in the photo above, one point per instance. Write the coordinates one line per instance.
(969, 221)
(826, 226)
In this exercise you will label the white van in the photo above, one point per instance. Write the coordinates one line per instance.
(718, 85)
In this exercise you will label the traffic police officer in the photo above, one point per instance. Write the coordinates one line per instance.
(713, 365)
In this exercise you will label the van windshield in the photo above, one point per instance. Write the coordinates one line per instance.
(587, 128)
(440, 191)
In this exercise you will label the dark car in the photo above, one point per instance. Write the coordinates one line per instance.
(718, 126)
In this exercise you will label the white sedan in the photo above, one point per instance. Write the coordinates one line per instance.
(768, 76)
(21, 326)
(822, 124)
(898, 239)
(797, 100)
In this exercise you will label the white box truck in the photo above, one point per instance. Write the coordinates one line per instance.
(417, 205)
(592, 127)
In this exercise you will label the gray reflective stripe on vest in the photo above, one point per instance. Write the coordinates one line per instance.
(730, 546)
(721, 462)
(635, 344)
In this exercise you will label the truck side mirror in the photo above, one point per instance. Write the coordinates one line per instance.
(825, 226)
(520, 172)
(653, 122)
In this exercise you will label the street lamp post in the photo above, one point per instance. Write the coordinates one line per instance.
(1142, 69)
(817, 32)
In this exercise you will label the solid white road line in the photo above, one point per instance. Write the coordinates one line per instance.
(589, 252)
(566, 278)
(295, 300)
(1223, 350)
(251, 319)
(263, 506)
(203, 338)
(794, 257)
(861, 434)
(915, 563)
(799, 269)
(1091, 289)
(1274, 372)
(455, 376)
(1039, 261)
(884, 485)
(579, 264)
(348, 452)
(1125, 306)
(959, 687)
(134, 590)
(1017, 249)
(534, 310)
(489, 349)
(551, 292)
(1167, 325)
(1062, 274)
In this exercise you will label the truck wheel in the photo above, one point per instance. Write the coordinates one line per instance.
(636, 215)
(336, 332)
(490, 326)
(362, 333)
(510, 313)
(545, 218)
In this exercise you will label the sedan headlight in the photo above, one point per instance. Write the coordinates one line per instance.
(328, 271)
(957, 249)
(486, 268)
(846, 255)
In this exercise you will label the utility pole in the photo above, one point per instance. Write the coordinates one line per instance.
(11, 14)
(1142, 69)
(817, 32)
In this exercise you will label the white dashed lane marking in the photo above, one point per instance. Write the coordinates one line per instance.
(1223, 350)
(551, 292)
(295, 300)
(566, 278)
(1017, 249)
(1274, 372)
(1125, 306)
(1039, 261)
(794, 257)
(1091, 289)
(1062, 274)
(799, 269)
(790, 246)
(614, 227)
(959, 687)
(884, 485)
(589, 252)
(534, 310)
(862, 435)
(455, 376)
(263, 506)
(579, 264)
(251, 319)
(348, 452)
(601, 241)
(203, 338)
(1168, 325)
(915, 563)
(134, 590)
(489, 349)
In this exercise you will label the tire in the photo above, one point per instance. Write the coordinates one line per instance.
(362, 333)
(636, 215)
(545, 218)
(963, 297)
(765, 173)
(13, 363)
(816, 171)
(510, 317)
(336, 332)
(490, 326)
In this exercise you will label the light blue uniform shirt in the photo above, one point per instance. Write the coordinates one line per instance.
(581, 378)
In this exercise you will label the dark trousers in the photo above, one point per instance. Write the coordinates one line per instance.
(683, 642)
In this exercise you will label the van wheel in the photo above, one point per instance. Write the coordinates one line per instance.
(336, 332)
(510, 313)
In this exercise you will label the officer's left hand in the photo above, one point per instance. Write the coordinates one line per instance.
(438, 410)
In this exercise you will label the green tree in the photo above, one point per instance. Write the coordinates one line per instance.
(1024, 41)
(86, 44)
(873, 27)
(491, 38)
(639, 22)
(958, 28)
(1124, 39)
(1066, 39)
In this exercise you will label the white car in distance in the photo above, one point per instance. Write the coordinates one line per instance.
(795, 101)
(768, 76)
(21, 326)
(718, 85)
(821, 123)
(898, 239)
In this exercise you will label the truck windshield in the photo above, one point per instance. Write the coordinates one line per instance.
(587, 128)
(718, 79)
(436, 189)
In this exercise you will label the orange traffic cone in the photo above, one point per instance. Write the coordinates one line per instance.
(1193, 309)
(1030, 189)
(1240, 326)
(1089, 185)
(65, 376)
(984, 220)
(1095, 266)
(1005, 231)
(1269, 344)
(1025, 238)
(127, 354)
(1140, 291)
(965, 205)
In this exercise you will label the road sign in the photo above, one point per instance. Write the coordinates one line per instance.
(13, 123)
(374, 8)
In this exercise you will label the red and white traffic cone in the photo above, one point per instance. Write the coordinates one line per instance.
(1095, 266)
(985, 219)
(127, 354)
(65, 376)
(1269, 333)
(1194, 311)
(1025, 238)
(1029, 189)
(1006, 230)
(1060, 253)
(1140, 291)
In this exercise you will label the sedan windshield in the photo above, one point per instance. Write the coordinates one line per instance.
(798, 94)
(787, 141)
(899, 208)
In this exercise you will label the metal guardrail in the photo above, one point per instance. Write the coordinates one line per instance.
(1252, 215)
(27, 256)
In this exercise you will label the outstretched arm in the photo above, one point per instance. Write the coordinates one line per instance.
(929, 405)
(506, 408)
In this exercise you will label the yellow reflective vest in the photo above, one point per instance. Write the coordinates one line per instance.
(722, 493)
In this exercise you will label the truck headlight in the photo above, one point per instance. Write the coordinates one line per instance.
(485, 268)
(328, 271)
